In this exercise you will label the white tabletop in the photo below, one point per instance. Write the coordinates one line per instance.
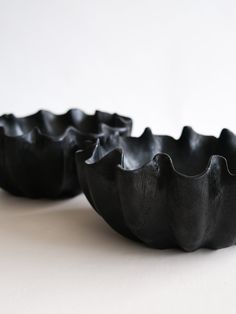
(60, 257)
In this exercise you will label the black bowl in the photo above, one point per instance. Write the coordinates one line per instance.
(163, 192)
(37, 151)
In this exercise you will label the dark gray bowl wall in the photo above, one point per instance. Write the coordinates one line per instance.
(164, 192)
(37, 151)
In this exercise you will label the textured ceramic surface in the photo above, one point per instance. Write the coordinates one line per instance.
(37, 151)
(165, 192)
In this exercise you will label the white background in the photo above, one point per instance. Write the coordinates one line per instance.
(165, 63)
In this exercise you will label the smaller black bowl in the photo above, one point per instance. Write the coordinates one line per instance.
(163, 192)
(37, 151)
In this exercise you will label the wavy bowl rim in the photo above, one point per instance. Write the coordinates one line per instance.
(36, 130)
(156, 157)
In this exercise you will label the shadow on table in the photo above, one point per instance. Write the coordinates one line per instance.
(70, 224)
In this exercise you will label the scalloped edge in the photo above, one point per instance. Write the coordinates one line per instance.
(186, 134)
(35, 132)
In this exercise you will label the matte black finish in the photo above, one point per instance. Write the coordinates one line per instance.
(164, 192)
(37, 151)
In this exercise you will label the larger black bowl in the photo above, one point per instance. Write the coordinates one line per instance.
(164, 192)
(37, 151)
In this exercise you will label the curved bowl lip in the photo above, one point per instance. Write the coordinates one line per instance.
(147, 131)
(55, 138)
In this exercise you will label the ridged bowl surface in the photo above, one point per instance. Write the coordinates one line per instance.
(37, 151)
(163, 192)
